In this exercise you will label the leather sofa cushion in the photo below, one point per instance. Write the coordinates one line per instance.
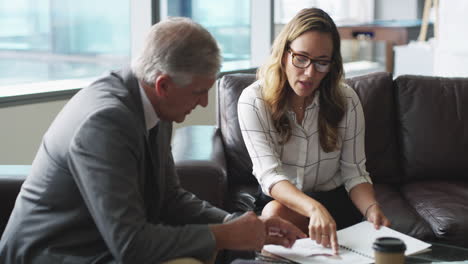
(9, 189)
(239, 165)
(242, 198)
(377, 98)
(433, 126)
(402, 215)
(443, 204)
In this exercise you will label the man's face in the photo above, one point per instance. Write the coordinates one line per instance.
(181, 100)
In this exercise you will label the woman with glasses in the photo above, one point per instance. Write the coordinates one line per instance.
(304, 130)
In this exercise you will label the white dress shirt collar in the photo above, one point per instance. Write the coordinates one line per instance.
(315, 101)
(151, 118)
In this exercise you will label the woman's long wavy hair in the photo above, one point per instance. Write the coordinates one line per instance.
(276, 89)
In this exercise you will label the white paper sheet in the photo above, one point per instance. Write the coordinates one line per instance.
(359, 237)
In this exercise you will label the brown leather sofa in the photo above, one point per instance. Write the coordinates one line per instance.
(416, 147)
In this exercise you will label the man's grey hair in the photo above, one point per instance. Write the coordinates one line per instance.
(178, 47)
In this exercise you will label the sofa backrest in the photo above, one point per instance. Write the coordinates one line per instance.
(433, 126)
(239, 165)
(9, 189)
(377, 97)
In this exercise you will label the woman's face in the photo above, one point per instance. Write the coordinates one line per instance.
(311, 45)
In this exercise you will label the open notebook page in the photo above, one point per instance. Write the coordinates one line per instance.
(361, 236)
(355, 242)
(307, 251)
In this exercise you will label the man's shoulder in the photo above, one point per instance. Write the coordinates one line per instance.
(111, 89)
(106, 101)
(117, 82)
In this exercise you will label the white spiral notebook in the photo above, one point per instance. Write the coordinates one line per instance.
(355, 246)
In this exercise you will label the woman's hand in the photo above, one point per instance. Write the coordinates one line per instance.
(363, 197)
(322, 228)
(375, 215)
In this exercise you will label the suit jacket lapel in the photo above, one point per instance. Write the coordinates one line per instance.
(155, 167)
(153, 190)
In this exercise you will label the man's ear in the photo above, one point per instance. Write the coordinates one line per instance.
(162, 84)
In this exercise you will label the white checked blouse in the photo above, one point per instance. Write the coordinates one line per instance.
(301, 160)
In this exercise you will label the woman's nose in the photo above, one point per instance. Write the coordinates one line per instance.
(310, 70)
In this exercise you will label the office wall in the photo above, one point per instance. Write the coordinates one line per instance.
(22, 130)
(22, 127)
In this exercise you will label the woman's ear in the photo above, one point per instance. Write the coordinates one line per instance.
(161, 85)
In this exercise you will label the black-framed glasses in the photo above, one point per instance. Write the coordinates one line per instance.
(302, 61)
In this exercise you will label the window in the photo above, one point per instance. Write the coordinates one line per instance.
(61, 45)
(49, 40)
(228, 21)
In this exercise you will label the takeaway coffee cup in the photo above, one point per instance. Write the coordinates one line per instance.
(389, 250)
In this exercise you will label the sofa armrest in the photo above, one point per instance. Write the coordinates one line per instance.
(11, 180)
(200, 162)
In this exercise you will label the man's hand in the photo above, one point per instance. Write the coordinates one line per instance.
(249, 232)
(280, 231)
(246, 232)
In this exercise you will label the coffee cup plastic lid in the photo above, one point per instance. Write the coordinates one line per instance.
(389, 244)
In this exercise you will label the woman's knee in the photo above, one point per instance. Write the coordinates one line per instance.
(183, 261)
(275, 208)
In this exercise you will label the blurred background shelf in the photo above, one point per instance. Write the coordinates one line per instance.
(374, 42)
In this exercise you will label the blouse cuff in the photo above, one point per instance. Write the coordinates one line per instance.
(270, 182)
(349, 184)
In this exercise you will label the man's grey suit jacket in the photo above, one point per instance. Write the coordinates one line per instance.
(84, 200)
